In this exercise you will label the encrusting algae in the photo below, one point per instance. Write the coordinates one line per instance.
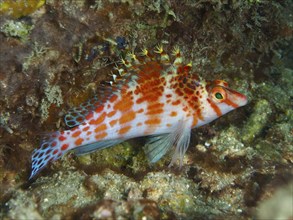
(20, 8)
(153, 96)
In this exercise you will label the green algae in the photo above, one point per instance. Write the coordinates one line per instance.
(257, 121)
(17, 29)
(53, 95)
(268, 150)
(37, 53)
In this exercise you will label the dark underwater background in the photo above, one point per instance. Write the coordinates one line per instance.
(53, 56)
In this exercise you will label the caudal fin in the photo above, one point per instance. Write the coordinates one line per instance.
(50, 150)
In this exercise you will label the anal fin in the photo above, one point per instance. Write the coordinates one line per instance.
(157, 146)
(88, 148)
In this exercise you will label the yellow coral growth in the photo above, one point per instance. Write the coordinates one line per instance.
(18, 8)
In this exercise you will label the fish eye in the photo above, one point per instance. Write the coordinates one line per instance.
(219, 96)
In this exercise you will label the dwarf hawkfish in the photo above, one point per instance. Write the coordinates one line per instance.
(153, 95)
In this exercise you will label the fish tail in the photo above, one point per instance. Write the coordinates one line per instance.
(50, 150)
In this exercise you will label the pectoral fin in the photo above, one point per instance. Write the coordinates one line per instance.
(157, 146)
(182, 140)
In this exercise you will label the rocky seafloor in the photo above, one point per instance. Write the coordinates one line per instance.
(53, 56)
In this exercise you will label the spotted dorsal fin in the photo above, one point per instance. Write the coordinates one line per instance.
(77, 115)
(134, 69)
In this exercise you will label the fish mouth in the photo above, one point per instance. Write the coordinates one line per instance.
(237, 98)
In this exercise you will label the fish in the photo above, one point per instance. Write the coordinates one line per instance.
(153, 94)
